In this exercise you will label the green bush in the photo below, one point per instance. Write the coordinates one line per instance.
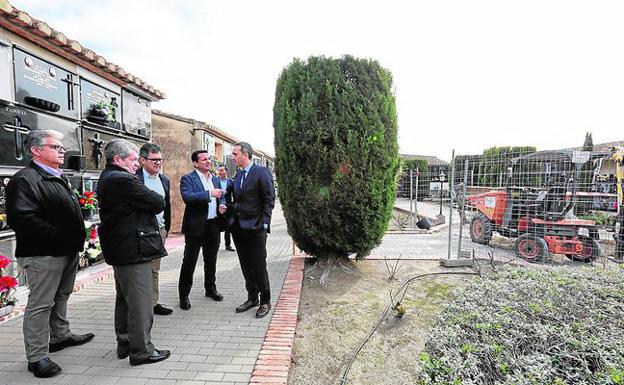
(551, 326)
(336, 153)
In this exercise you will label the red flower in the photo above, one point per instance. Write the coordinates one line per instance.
(82, 201)
(7, 282)
(93, 233)
(89, 194)
(4, 262)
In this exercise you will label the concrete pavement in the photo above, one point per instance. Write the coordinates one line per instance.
(210, 343)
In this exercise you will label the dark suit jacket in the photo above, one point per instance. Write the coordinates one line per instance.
(167, 186)
(196, 199)
(228, 198)
(254, 201)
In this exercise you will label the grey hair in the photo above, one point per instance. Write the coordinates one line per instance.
(245, 148)
(149, 148)
(119, 147)
(35, 138)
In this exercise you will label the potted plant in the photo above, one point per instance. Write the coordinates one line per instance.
(7, 288)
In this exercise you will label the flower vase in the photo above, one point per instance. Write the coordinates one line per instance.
(5, 310)
(87, 214)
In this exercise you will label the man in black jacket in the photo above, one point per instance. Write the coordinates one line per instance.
(130, 240)
(151, 159)
(254, 198)
(45, 214)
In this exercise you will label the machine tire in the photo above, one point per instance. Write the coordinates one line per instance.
(481, 229)
(531, 248)
(591, 250)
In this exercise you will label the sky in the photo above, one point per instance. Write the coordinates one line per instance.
(468, 75)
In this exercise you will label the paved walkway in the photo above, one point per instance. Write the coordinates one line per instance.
(210, 344)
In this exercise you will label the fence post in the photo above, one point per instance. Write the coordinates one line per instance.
(462, 209)
(415, 217)
(451, 193)
(411, 194)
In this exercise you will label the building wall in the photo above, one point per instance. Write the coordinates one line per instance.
(175, 139)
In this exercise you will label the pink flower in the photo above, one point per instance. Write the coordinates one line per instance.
(4, 262)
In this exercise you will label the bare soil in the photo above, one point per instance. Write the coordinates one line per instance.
(335, 318)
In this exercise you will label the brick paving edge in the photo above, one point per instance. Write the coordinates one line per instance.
(273, 363)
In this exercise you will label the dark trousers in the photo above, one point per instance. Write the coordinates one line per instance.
(209, 243)
(227, 238)
(134, 314)
(251, 250)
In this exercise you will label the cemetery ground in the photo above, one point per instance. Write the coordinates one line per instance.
(356, 306)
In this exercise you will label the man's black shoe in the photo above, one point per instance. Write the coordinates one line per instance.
(123, 351)
(44, 368)
(214, 294)
(157, 356)
(247, 305)
(263, 310)
(185, 304)
(161, 310)
(230, 248)
(73, 340)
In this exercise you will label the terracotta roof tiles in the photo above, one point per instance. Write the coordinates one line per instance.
(40, 33)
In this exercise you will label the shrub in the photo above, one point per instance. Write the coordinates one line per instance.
(531, 327)
(336, 153)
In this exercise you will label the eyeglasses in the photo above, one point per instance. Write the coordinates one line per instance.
(56, 147)
(155, 160)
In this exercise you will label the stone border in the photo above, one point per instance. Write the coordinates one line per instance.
(275, 356)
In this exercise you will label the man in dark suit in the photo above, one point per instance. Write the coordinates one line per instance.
(150, 158)
(227, 185)
(200, 192)
(130, 241)
(250, 219)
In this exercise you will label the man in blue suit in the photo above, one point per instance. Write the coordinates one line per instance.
(200, 192)
(250, 220)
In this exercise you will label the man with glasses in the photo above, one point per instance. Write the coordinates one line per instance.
(150, 158)
(44, 212)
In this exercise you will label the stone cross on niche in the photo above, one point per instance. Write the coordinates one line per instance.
(98, 145)
(18, 131)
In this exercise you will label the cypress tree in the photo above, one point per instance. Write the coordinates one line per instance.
(337, 157)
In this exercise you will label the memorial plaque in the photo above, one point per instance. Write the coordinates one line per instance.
(45, 86)
(137, 114)
(93, 145)
(100, 105)
(18, 121)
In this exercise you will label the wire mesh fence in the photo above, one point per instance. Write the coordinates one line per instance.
(539, 206)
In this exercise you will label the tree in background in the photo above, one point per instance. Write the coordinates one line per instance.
(588, 144)
(337, 157)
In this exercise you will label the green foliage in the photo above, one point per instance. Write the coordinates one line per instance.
(588, 144)
(336, 153)
(496, 160)
(551, 326)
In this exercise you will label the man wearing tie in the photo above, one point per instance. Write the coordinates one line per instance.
(254, 198)
(200, 192)
(227, 185)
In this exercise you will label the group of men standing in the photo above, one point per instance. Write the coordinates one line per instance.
(135, 214)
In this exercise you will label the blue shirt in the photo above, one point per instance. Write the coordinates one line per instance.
(155, 184)
(50, 170)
